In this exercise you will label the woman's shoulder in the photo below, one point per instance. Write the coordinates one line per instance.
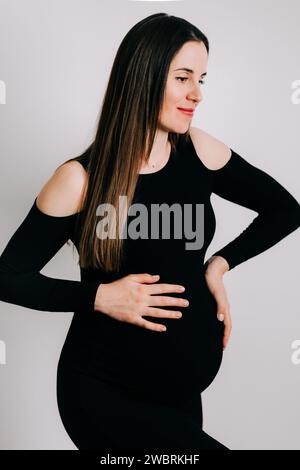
(213, 153)
(63, 193)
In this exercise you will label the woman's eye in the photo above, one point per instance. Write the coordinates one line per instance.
(185, 78)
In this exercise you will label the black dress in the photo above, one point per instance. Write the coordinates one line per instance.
(121, 386)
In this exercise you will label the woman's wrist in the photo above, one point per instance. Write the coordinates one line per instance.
(217, 265)
(98, 304)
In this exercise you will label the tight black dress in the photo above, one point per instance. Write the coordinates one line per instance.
(121, 386)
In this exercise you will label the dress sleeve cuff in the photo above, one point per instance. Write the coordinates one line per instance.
(87, 296)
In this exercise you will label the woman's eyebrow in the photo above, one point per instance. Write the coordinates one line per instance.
(190, 71)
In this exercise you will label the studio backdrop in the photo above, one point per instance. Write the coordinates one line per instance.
(55, 61)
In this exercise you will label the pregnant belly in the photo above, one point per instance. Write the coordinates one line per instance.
(185, 358)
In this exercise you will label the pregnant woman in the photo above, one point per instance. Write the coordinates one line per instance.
(124, 382)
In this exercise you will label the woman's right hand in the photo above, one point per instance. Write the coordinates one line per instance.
(129, 298)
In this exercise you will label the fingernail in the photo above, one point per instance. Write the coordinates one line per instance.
(221, 317)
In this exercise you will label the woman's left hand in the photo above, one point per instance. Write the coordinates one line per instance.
(216, 267)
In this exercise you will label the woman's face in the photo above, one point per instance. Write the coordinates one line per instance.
(183, 88)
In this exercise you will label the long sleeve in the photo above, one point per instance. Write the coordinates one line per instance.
(31, 247)
(278, 211)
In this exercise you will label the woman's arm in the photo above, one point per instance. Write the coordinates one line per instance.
(44, 230)
(278, 211)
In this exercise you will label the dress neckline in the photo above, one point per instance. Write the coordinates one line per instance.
(161, 170)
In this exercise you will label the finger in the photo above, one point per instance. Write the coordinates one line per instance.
(161, 313)
(227, 332)
(228, 325)
(164, 300)
(223, 312)
(226, 336)
(220, 316)
(144, 277)
(225, 341)
(149, 325)
(163, 288)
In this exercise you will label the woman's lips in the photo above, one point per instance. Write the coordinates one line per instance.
(187, 113)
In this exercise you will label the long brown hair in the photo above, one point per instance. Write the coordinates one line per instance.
(127, 126)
